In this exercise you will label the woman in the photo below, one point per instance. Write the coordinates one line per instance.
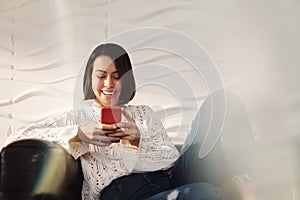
(138, 143)
(111, 154)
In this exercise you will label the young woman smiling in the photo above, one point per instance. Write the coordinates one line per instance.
(134, 158)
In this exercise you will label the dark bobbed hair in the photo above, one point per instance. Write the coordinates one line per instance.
(124, 68)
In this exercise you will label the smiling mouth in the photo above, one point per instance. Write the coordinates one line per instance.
(109, 94)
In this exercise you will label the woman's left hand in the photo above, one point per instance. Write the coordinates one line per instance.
(130, 131)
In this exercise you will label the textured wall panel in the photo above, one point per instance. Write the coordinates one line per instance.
(45, 44)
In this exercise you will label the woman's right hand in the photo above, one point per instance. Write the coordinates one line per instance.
(98, 134)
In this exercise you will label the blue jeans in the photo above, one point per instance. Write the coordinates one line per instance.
(192, 191)
(199, 173)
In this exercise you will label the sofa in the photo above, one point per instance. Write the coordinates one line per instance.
(34, 169)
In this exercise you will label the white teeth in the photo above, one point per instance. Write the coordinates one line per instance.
(107, 93)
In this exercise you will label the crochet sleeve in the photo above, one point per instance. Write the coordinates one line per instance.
(59, 128)
(156, 151)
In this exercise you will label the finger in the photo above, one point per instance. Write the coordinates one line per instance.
(119, 134)
(127, 116)
(130, 138)
(106, 132)
(125, 125)
(107, 138)
(101, 132)
(107, 126)
(98, 132)
(134, 132)
(131, 131)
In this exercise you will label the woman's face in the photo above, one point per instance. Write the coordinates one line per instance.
(105, 82)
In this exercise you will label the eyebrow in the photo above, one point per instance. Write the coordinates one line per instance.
(103, 71)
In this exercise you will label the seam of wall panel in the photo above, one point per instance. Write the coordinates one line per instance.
(107, 19)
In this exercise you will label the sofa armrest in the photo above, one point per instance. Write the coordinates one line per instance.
(33, 168)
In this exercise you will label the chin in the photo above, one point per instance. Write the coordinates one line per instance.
(108, 103)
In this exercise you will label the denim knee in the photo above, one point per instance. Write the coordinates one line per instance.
(194, 191)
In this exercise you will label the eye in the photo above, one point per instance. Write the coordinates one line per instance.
(116, 76)
(100, 75)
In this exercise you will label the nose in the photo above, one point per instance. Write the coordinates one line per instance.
(109, 82)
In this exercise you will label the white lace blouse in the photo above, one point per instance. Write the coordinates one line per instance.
(101, 165)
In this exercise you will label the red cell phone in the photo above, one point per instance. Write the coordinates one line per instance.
(110, 115)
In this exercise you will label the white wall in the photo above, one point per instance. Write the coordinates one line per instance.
(255, 45)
